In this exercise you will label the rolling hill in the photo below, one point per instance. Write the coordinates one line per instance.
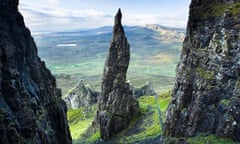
(80, 54)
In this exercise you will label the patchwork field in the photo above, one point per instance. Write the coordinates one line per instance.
(76, 55)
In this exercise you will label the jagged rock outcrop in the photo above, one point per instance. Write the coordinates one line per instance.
(145, 90)
(31, 108)
(117, 105)
(83, 95)
(206, 96)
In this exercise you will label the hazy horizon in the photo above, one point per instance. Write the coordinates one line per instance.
(56, 15)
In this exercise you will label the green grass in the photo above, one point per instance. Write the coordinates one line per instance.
(94, 137)
(150, 124)
(215, 10)
(91, 70)
(140, 129)
(206, 74)
(225, 102)
(79, 128)
(86, 60)
(75, 115)
(164, 99)
(79, 121)
(201, 139)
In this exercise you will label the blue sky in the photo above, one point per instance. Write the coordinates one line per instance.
(61, 15)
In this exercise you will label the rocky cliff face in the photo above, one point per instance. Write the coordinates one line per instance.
(31, 109)
(117, 106)
(82, 95)
(206, 96)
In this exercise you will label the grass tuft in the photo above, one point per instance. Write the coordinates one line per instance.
(202, 139)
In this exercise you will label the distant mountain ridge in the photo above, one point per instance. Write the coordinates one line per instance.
(168, 34)
(142, 36)
(163, 30)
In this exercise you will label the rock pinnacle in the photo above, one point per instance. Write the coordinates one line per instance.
(117, 106)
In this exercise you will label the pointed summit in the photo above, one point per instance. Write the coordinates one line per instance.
(118, 28)
(118, 18)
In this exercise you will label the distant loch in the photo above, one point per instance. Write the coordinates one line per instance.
(66, 45)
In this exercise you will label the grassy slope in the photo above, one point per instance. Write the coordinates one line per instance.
(140, 129)
(145, 129)
(79, 121)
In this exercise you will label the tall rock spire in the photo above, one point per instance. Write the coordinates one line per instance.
(206, 96)
(117, 106)
(31, 108)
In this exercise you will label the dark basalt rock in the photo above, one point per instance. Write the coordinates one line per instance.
(206, 96)
(83, 95)
(31, 108)
(117, 105)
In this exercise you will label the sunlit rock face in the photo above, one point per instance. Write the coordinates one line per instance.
(31, 108)
(206, 96)
(117, 105)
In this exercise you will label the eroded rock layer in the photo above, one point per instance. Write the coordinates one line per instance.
(206, 96)
(117, 105)
(31, 108)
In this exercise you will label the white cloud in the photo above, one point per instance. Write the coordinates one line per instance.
(53, 19)
(51, 2)
(143, 19)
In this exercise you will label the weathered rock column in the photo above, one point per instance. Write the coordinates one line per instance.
(117, 106)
